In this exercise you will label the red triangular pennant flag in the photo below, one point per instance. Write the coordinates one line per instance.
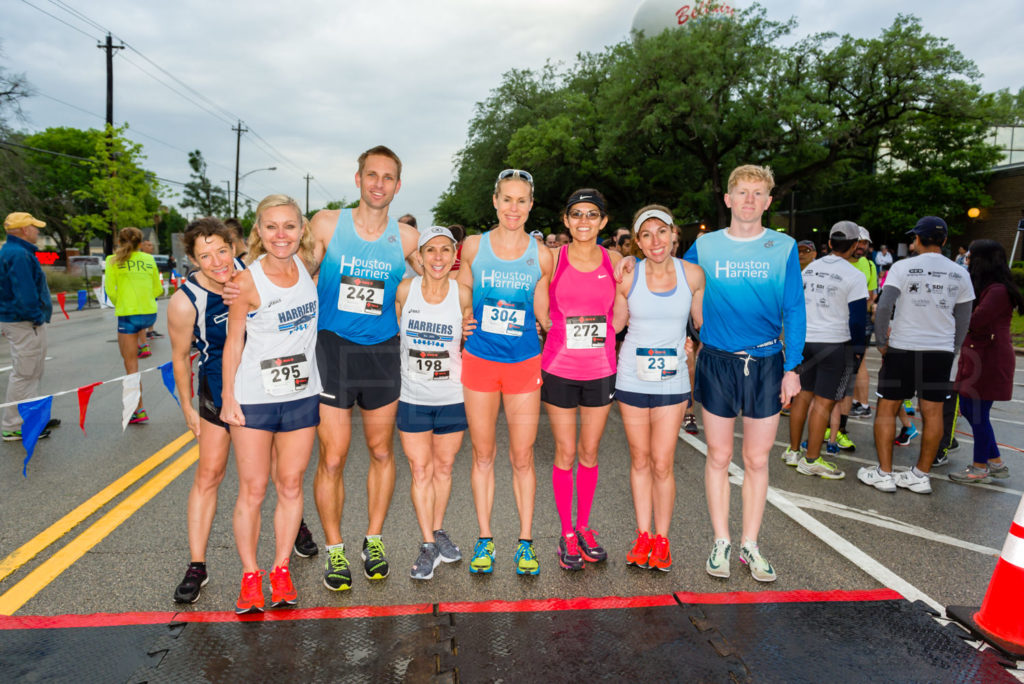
(84, 394)
(60, 300)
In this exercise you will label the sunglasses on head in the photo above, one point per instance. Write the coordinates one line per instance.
(516, 173)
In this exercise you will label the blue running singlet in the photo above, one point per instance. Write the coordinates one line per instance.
(753, 292)
(357, 283)
(503, 305)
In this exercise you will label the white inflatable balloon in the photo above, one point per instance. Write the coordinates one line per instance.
(654, 16)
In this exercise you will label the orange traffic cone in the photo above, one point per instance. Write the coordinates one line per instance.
(1000, 621)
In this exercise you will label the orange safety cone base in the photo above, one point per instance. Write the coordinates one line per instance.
(965, 616)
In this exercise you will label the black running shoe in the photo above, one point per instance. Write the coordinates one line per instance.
(190, 588)
(152, 334)
(375, 563)
(304, 544)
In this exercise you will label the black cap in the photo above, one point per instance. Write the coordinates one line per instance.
(930, 227)
(585, 196)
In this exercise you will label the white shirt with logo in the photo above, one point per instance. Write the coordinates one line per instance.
(830, 284)
(930, 287)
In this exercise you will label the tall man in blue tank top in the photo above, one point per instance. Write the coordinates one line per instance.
(753, 335)
(361, 255)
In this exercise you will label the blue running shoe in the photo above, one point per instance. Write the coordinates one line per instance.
(906, 434)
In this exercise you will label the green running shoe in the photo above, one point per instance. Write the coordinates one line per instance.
(483, 557)
(526, 559)
(375, 563)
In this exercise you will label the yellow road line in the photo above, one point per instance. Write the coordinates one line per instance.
(31, 548)
(18, 595)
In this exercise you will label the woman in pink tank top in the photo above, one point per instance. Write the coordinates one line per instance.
(578, 369)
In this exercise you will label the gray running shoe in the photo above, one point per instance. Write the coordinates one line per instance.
(790, 457)
(429, 559)
(447, 548)
(877, 478)
(760, 568)
(820, 467)
(337, 576)
(971, 475)
(718, 561)
(1000, 472)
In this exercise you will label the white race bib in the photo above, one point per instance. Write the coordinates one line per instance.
(361, 295)
(585, 332)
(503, 318)
(429, 365)
(285, 374)
(655, 365)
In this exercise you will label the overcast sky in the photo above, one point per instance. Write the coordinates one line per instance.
(317, 82)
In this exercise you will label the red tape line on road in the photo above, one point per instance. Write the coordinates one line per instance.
(527, 606)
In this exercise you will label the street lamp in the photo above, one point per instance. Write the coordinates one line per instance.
(239, 182)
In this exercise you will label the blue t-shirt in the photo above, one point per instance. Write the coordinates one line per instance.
(753, 292)
(357, 283)
(503, 305)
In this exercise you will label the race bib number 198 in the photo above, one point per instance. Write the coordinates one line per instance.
(429, 365)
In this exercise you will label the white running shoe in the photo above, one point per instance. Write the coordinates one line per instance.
(874, 476)
(790, 457)
(919, 484)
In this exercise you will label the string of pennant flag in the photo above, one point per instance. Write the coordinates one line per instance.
(35, 413)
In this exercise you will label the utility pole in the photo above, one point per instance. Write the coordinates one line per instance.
(110, 47)
(308, 178)
(238, 151)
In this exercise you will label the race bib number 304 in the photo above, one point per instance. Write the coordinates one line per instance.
(654, 365)
(585, 332)
(429, 365)
(285, 374)
(361, 296)
(503, 318)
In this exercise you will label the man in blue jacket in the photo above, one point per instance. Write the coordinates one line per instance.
(25, 309)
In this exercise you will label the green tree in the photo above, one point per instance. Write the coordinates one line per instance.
(124, 191)
(202, 195)
(666, 118)
(55, 170)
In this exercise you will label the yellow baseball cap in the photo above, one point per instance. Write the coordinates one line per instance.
(20, 219)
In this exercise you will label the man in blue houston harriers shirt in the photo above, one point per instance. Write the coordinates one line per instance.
(754, 294)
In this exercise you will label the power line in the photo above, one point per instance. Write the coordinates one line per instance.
(71, 10)
(68, 104)
(85, 159)
(56, 18)
(173, 90)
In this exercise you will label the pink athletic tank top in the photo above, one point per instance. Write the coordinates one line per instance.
(581, 342)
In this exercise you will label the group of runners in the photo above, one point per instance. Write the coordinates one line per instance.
(321, 321)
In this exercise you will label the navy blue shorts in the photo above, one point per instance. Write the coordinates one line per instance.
(441, 420)
(649, 401)
(729, 384)
(209, 405)
(130, 325)
(285, 416)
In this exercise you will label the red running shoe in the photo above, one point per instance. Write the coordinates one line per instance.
(661, 556)
(250, 600)
(640, 553)
(282, 591)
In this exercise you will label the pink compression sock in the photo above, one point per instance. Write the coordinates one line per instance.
(561, 480)
(586, 484)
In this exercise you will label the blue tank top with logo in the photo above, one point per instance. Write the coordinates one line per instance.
(503, 305)
(357, 283)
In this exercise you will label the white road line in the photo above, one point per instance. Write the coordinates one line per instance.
(1004, 420)
(933, 475)
(884, 521)
(845, 548)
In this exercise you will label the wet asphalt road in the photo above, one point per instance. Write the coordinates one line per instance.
(943, 546)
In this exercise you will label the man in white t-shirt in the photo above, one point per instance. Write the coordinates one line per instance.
(835, 296)
(883, 259)
(932, 297)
